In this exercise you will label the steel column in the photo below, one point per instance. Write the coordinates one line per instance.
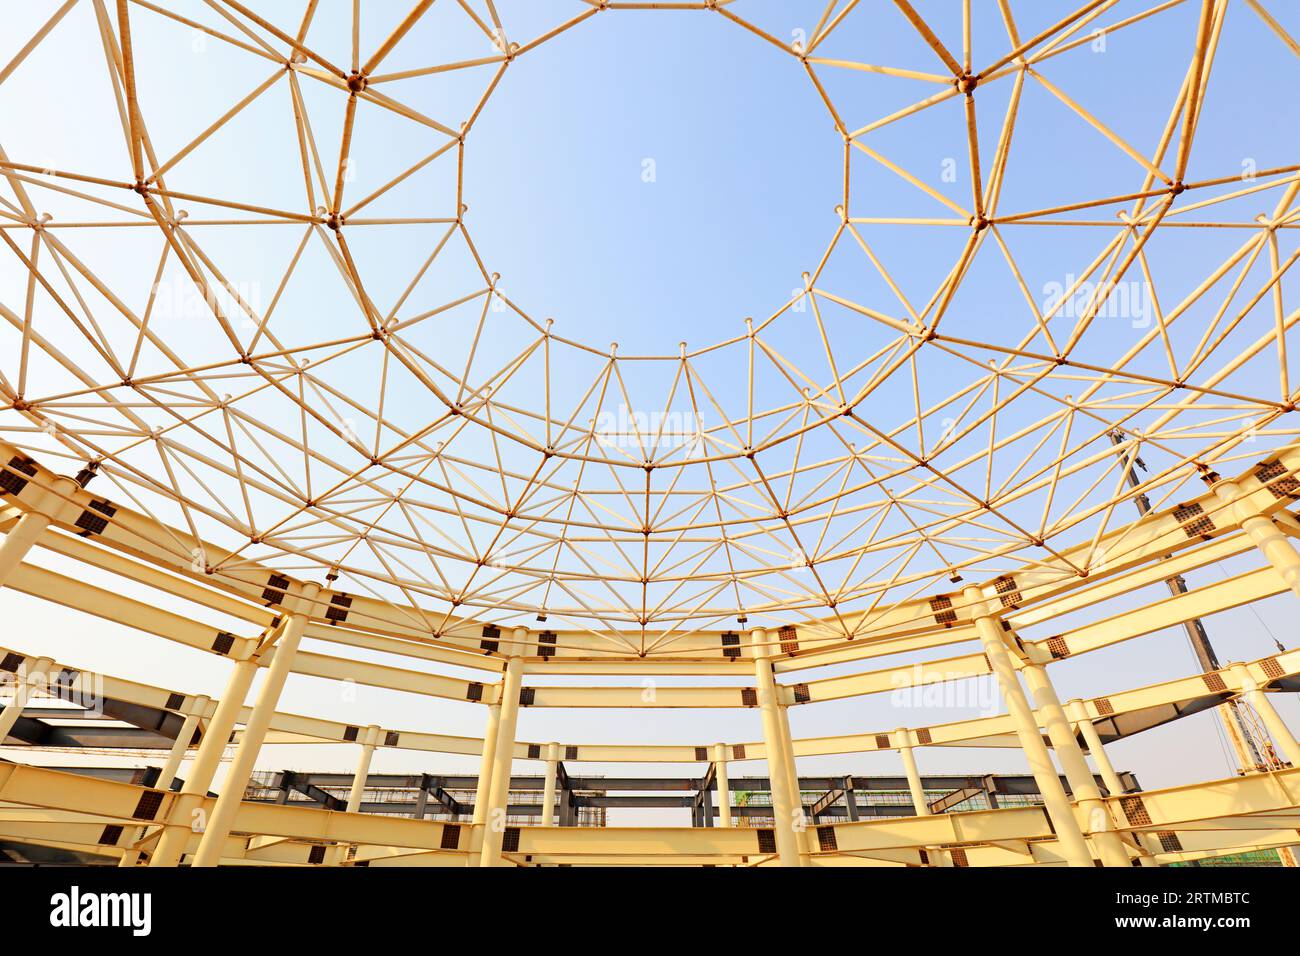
(499, 791)
(850, 799)
(1264, 534)
(1096, 749)
(250, 744)
(724, 785)
(33, 523)
(1109, 776)
(778, 768)
(369, 739)
(905, 740)
(181, 747)
(902, 739)
(19, 541)
(168, 773)
(1277, 727)
(548, 789)
(1108, 843)
(989, 628)
(186, 818)
(422, 800)
(800, 822)
(484, 791)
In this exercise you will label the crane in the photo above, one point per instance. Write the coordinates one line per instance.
(1250, 740)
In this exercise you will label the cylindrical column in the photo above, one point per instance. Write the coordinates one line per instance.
(1264, 534)
(903, 741)
(792, 771)
(168, 772)
(19, 541)
(778, 767)
(130, 856)
(32, 674)
(724, 786)
(1109, 844)
(181, 746)
(800, 822)
(1277, 727)
(483, 793)
(548, 791)
(1068, 833)
(499, 792)
(369, 738)
(1096, 749)
(1109, 777)
(250, 745)
(182, 822)
(29, 527)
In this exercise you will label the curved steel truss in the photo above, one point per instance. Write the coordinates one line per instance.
(885, 463)
(389, 443)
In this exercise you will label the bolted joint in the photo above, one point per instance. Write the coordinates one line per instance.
(88, 472)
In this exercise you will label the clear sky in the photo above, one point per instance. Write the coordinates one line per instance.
(653, 178)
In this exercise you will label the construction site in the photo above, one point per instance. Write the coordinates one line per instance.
(322, 547)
